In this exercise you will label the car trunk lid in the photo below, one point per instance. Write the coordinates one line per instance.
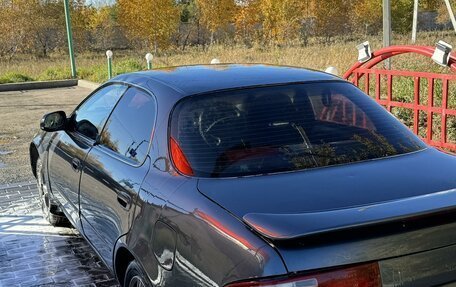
(368, 211)
(322, 190)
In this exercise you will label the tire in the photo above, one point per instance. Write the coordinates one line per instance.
(48, 206)
(134, 277)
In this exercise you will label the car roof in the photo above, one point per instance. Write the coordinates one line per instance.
(190, 80)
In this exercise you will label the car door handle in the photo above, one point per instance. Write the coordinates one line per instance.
(75, 164)
(124, 199)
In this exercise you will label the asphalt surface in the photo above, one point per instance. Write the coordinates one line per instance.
(33, 253)
(20, 115)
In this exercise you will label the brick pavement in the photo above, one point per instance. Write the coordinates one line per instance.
(33, 253)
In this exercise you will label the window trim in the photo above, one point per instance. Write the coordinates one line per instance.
(117, 155)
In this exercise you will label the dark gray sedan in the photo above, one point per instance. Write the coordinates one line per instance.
(248, 175)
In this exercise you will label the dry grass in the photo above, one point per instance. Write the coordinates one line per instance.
(92, 66)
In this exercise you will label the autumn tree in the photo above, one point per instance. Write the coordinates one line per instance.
(402, 16)
(216, 14)
(31, 25)
(100, 28)
(10, 37)
(152, 21)
(430, 4)
(247, 21)
(282, 19)
(190, 27)
(368, 16)
(370, 13)
(442, 11)
(333, 18)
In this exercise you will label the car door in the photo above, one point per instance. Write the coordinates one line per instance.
(114, 170)
(69, 148)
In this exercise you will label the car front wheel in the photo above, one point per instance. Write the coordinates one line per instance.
(48, 206)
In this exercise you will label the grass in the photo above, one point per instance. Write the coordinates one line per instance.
(12, 77)
(340, 54)
(92, 66)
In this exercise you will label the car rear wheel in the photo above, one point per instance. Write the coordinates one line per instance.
(49, 208)
(134, 276)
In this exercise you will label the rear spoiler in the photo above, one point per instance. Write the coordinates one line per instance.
(292, 226)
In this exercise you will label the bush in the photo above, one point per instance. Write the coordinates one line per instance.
(55, 74)
(14, 78)
(127, 66)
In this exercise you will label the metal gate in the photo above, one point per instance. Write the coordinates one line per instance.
(434, 132)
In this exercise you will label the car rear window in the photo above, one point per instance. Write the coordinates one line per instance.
(285, 128)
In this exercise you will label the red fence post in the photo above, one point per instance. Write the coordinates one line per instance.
(443, 137)
(430, 105)
(416, 111)
(377, 86)
(367, 84)
(390, 91)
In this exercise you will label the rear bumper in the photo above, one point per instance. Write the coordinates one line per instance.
(354, 248)
(431, 268)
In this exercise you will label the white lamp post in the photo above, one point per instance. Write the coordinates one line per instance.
(149, 57)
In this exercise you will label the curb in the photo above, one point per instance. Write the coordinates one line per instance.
(88, 84)
(38, 85)
(48, 85)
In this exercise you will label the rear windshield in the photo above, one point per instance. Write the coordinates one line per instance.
(285, 128)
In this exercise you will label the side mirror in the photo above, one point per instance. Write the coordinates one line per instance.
(55, 121)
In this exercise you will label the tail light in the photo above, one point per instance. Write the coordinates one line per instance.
(367, 275)
(179, 159)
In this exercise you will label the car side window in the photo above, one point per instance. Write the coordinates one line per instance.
(129, 128)
(90, 117)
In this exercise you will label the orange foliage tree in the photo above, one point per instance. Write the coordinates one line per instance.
(216, 14)
(153, 21)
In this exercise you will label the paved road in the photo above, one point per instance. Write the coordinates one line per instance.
(33, 253)
(20, 114)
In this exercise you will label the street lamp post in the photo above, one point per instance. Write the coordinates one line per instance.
(70, 38)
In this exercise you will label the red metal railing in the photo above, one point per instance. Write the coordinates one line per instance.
(367, 71)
